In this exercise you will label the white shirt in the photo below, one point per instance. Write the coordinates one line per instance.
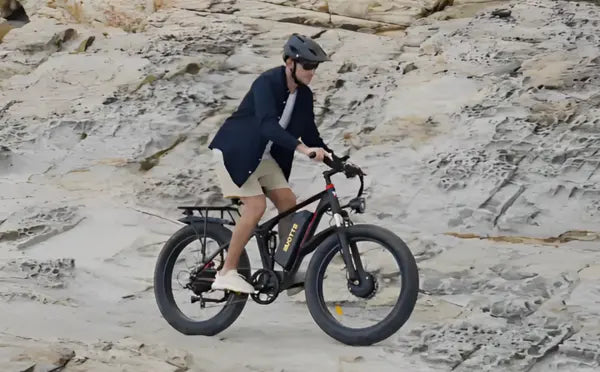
(284, 121)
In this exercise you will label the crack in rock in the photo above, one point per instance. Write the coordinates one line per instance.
(567, 236)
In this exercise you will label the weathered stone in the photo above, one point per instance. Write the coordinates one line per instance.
(48, 356)
(485, 344)
(34, 225)
(484, 160)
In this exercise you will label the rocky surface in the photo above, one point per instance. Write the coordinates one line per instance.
(476, 122)
(71, 355)
(34, 224)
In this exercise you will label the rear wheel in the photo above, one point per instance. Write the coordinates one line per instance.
(333, 301)
(192, 283)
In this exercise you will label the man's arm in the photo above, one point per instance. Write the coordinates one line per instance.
(265, 110)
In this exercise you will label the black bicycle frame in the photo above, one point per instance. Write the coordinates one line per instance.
(310, 241)
(263, 232)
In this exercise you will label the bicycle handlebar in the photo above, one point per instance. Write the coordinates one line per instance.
(339, 165)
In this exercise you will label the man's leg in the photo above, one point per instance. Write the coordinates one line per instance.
(228, 278)
(278, 191)
(254, 205)
(252, 211)
(283, 199)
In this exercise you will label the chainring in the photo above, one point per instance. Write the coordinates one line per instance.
(267, 284)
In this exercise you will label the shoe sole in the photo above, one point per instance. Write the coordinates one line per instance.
(219, 288)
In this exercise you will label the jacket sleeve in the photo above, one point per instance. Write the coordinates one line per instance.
(311, 136)
(265, 108)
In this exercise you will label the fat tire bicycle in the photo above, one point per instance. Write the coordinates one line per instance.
(269, 282)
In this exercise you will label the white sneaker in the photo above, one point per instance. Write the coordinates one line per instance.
(232, 281)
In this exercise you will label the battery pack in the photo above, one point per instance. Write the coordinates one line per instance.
(289, 244)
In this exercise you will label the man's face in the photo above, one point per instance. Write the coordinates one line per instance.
(304, 70)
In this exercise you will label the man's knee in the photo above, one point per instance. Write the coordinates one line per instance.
(254, 206)
(288, 201)
(283, 198)
(290, 197)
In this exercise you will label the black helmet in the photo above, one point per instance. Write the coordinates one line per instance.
(302, 48)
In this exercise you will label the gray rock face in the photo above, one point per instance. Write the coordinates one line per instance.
(29, 279)
(78, 356)
(34, 225)
(49, 274)
(488, 345)
(476, 122)
(528, 142)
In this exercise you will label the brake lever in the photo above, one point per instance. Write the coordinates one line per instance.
(339, 164)
(334, 163)
(352, 170)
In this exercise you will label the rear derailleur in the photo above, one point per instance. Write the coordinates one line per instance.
(200, 282)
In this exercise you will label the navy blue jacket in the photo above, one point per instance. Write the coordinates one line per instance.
(244, 135)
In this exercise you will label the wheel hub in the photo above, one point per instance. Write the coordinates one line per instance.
(201, 281)
(366, 288)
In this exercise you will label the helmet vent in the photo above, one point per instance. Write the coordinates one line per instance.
(304, 48)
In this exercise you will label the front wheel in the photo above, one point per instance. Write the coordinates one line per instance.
(333, 301)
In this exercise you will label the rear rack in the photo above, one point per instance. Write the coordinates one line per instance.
(203, 210)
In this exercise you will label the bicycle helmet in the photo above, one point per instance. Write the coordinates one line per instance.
(304, 49)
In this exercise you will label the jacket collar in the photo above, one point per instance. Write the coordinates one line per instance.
(283, 82)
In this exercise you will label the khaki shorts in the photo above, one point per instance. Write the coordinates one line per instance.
(267, 176)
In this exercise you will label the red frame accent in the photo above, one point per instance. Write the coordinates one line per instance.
(312, 220)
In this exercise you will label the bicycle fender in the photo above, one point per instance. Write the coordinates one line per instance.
(189, 220)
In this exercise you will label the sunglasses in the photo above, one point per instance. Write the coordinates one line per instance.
(309, 65)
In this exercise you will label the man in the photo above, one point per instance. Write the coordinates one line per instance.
(255, 146)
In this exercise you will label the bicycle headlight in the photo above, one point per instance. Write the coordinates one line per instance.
(358, 205)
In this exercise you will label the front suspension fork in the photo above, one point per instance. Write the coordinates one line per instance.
(348, 249)
(349, 252)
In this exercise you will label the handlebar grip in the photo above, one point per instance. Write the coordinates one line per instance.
(334, 164)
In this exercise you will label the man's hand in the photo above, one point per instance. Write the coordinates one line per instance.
(320, 153)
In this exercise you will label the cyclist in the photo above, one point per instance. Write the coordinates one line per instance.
(255, 146)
